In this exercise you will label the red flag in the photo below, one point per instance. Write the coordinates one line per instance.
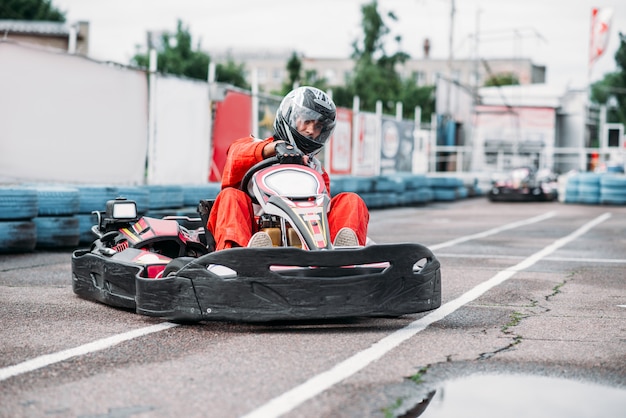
(600, 27)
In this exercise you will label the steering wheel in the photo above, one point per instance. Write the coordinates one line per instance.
(248, 176)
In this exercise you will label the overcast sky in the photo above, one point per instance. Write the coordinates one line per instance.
(554, 33)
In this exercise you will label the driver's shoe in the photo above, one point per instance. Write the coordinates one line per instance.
(346, 237)
(260, 240)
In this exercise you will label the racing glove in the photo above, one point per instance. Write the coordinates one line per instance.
(288, 154)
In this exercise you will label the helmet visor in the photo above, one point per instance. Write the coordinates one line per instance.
(321, 125)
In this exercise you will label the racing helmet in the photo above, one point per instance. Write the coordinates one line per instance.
(305, 103)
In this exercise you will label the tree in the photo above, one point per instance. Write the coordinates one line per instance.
(294, 68)
(296, 77)
(612, 88)
(375, 75)
(175, 55)
(30, 10)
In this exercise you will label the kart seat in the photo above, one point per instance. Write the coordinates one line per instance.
(204, 209)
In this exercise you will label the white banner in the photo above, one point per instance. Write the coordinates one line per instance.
(182, 140)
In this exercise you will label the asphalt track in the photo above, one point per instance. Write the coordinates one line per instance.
(528, 288)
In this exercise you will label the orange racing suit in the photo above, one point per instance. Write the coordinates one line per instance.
(232, 221)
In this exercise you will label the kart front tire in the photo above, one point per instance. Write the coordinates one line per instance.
(175, 265)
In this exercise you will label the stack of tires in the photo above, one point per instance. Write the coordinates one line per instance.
(18, 207)
(92, 198)
(613, 189)
(388, 191)
(447, 189)
(417, 189)
(588, 188)
(57, 227)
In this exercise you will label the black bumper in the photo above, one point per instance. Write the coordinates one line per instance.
(308, 285)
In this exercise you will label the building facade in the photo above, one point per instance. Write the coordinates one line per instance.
(71, 37)
(271, 70)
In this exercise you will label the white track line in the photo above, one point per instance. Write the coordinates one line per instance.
(566, 259)
(493, 231)
(317, 384)
(48, 359)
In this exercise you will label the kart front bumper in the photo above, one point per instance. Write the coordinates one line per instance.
(290, 284)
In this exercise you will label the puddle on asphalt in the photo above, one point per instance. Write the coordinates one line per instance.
(520, 396)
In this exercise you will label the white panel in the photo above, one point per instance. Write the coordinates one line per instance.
(65, 118)
(182, 140)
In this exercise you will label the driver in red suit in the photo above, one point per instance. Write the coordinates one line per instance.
(304, 122)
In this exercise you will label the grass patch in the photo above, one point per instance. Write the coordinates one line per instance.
(418, 377)
(390, 410)
(516, 318)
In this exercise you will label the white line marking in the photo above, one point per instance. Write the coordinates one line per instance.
(493, 231)
(317, 384)
(48, 359)
(568, 259)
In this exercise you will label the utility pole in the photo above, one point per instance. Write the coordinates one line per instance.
(450, 56)
(476, 56)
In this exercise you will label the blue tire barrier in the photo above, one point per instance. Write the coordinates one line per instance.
(389, 183)
(613, 190)
(85, 222)
(592, 179)
(192, 194)
(444, 182)
(462, 192)
(138, 194)
(444, 194)
(614, 182)
(359, 184)
(414, 181)
(57, 231)
(58, 200)
(608, 197)
(376, 200)
(337, 185)
(571, 190)
(165, 196)
(420, 196)
(17, 236)
(94, 198)
(18, 203)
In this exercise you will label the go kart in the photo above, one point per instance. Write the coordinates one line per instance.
(524, 184)
(166, 267)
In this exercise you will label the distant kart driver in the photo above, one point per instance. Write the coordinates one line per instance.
(304, 122)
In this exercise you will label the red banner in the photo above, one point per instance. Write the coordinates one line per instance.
(233, 120)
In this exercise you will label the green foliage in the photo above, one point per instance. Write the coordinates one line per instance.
(611, 90)
(176, 55)
(295, 77)
(30, 10)
(505, 79)
(232, 73)
(375, 76)
(294, 68)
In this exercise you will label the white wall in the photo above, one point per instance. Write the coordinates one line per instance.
(68, 119)
(65, 118)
